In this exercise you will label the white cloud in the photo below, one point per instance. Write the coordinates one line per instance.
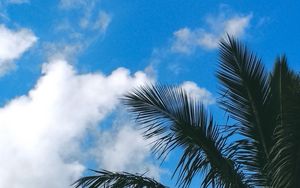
(63, 51)
(13, 43)
(236, 26)
(198, 93)
(41, 132)
(124, 149)
(186, 40)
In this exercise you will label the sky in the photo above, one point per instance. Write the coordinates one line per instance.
(64, 64)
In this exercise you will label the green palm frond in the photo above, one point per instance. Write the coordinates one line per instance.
(109, 179)
(245, 91)
(285, 164)
(174, 119)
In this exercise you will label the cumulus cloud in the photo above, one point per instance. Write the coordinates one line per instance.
(124, 149)
(41, 132)
(13, 43)
(186, 40)
(198, 93)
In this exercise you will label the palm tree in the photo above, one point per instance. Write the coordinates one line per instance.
(265, 109)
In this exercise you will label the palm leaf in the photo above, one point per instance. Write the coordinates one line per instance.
(174, 119)
(285, 164)
(109, 179)
(245, 91)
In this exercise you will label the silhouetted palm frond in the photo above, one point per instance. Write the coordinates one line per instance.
(174, 119)
(284, 167)
(109, 179)
(245, 87)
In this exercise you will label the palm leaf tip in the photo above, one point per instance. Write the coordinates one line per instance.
(245, 89)
(109, 179)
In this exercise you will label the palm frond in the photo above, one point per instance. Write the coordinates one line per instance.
(109, 179)
(245, 91)
(285, 164)
(174, 119)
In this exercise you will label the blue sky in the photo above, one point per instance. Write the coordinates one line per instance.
(65, 63)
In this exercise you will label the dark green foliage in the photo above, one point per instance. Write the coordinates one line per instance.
(266, 110)
(285, 155)
(116, 180)
(168, 114)
(245, 87)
